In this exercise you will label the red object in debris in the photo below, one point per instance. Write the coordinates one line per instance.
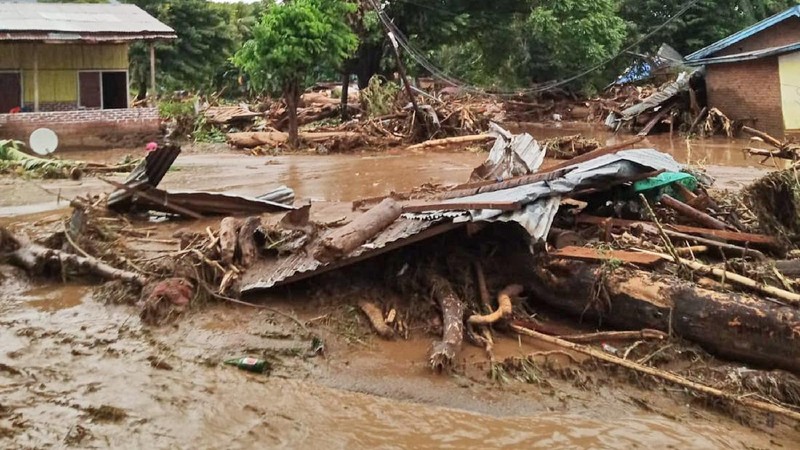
(151, 147)
(15, 110)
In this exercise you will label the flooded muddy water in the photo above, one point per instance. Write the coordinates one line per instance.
(353, 176)
(75, 373)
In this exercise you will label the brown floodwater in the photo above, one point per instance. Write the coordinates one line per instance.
(66, 360)
(76, 373)
(352, 176)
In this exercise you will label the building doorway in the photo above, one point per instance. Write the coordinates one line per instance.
(10, 91)
(789, 67)
(115, 90)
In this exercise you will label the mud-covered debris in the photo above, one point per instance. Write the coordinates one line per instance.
(106, 413)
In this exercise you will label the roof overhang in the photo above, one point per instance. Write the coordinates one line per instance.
(720, 45)
(83, 38)
(747, 56)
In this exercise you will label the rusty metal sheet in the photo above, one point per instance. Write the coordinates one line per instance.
(210, 203)
(268, 273)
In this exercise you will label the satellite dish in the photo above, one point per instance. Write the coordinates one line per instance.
(44, 141)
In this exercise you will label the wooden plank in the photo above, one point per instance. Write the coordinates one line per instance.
(593, 254)
(595, 154)
(461, 206)
(734, 236)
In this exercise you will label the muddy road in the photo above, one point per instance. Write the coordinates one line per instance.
(78, 373)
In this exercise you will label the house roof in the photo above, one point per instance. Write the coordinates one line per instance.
(86, 22)
(744, 34)
(747, 56)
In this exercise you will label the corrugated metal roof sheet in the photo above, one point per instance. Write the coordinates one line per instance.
(78, 21)
(267, 273)
(744, 34)
(747, 56)
(662, 95)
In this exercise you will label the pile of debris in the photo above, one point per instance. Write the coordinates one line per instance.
(382, 116)
(625, 238)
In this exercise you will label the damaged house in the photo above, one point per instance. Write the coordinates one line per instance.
(65, 67)
(753, 76)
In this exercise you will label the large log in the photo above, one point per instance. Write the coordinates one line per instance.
(734, 326)
(363, 228)
(277, 138)
(443, 353)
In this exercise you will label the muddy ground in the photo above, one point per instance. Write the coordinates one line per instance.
(78, 373)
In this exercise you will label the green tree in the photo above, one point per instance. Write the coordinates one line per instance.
(574, 35)
(291, 41)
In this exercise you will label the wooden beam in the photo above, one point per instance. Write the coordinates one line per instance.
(153, 69)
(720, 234)
(460, 206)
(593, 254)
(36, 77)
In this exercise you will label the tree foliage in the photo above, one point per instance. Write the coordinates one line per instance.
(290, 42)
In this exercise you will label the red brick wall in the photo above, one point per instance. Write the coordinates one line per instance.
(784, 33)
(88, 128)
(748, 90)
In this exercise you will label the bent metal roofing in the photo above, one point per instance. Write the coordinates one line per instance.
(79, 22)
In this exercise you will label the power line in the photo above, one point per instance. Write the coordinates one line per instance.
(417, 55)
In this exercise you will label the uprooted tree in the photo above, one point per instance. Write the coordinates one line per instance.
(290, 42)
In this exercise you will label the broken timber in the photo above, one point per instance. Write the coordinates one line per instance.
(744, 238)
(593, 254)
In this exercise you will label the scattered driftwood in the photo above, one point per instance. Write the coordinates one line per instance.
(736, 326)
(504, 307)
(615, 336)
(375, 317)
(444, 352)
(783, 149)
(341, 140)
(663, 375)
(693, 214)
(452, 141)
(363, 228)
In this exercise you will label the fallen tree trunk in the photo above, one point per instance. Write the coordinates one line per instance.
(458, 140)
(735, 326)
(346, 139)
(351, 236)
(443, 353)
(38, 259)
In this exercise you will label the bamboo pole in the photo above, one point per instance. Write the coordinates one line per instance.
(787, 296)
(666, 376)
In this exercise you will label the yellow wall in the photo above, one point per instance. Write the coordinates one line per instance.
(59, 65)
(790, 90)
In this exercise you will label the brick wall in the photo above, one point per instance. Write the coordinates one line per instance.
(784, 33)
(87, 128)
(748, 90)
(53, 106)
